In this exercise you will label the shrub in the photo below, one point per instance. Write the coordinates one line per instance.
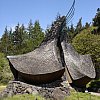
(87, 43)
(5, 73)
(94, 86)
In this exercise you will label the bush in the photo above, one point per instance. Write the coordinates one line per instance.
(94, 86)
(87, 43)
(5, 73)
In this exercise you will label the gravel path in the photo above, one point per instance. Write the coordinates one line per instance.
(93, 93)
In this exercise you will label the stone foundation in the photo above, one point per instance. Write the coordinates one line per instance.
(57, 90)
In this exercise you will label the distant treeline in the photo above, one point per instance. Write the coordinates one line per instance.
(25, 39)
(22, 39)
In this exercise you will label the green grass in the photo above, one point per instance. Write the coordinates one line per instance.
(25, 97)
(21, 97)
(82, 96)
(74, 96)
(2, 87)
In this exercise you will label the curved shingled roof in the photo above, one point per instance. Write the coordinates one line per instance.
(78, 65)
(42, 60)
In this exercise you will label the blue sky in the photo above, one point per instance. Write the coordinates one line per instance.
(14, 11)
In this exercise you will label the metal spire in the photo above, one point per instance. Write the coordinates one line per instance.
(70, 13)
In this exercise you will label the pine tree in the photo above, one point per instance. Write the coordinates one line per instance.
(72, 28)
(18, 37)
(30, 29)
(37, 35)
(71, 32)
(96, 20)
(10, 42)
(4, 41)
(79, 26)
(24, 47)
(21, 40)
(87, 25)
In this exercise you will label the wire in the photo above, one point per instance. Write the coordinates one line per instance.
(70, 13)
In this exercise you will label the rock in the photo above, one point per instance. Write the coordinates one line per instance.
(58, 94)
(10, 93)
(35, 92)
(99, 90)
(65, 84)
(52, 91)
(28, 90)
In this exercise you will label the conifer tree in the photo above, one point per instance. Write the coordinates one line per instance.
(37, 35)
(71, 32)
(96, 20)
(4, 41)
(79, 26)
(21, 40)
(87, 25)
(30, 29)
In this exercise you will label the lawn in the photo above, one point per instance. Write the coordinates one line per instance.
(2, 87)
(21, 97)
(25, 97)
(82, 96)
(74, 96)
